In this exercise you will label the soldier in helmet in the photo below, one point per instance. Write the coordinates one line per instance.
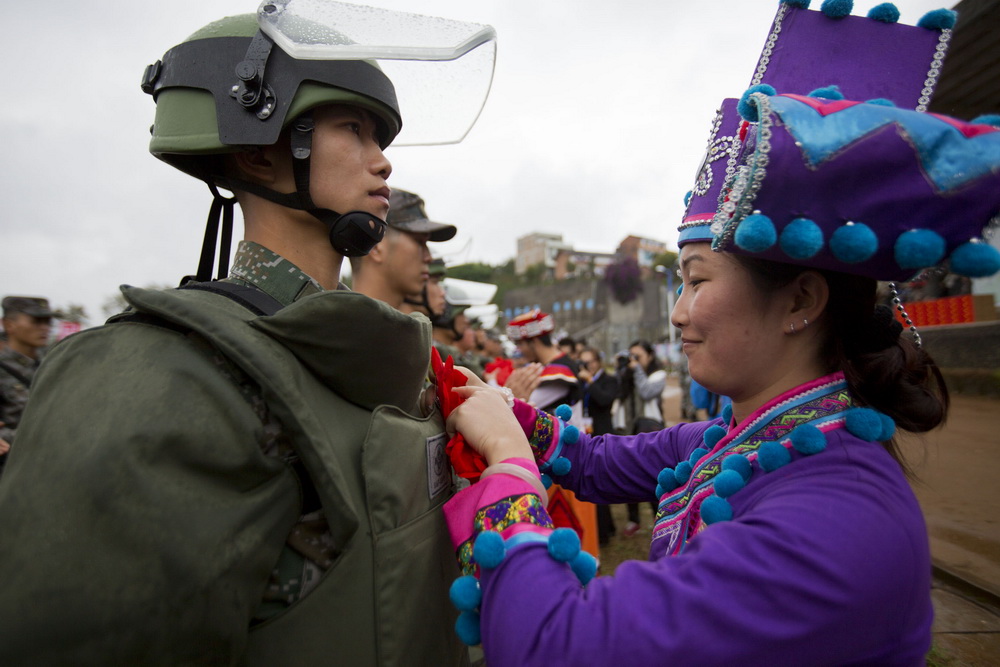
(238, 471)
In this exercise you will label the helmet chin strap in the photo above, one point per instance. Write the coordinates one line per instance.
(423, 303)
(352, 234)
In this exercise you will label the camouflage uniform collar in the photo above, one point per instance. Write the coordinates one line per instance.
(9, 354)
(270, 272)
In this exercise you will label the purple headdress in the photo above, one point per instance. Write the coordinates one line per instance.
(866, 188)
(862, 188)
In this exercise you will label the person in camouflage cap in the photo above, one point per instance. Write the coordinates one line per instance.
(240, 471)
(27, 322)
(399, 265)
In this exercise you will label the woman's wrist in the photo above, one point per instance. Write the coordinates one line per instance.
(515, 470)
(509, 448)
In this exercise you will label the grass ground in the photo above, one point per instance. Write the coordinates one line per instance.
(620, 548)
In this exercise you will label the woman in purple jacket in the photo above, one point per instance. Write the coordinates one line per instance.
(787, 532)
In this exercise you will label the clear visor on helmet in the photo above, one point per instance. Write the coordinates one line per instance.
(441, 69)
(468, 292)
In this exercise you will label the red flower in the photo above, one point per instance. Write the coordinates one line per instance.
(464, 459)
(501, 367)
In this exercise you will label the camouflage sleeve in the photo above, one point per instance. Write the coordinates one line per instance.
(138, 510)
(8, 390)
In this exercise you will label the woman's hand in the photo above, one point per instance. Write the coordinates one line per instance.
(472, 380)
(488, 425)
(525, 380)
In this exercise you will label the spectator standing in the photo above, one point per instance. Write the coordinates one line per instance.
(532, 333)
(648, 380)
(599, 394)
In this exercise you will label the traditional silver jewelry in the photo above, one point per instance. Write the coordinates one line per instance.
(898, 303)
(508, 396)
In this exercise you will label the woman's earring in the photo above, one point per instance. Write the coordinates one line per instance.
(791, 326)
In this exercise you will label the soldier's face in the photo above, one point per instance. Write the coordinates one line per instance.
(407, 260)
(348, 169)
(435, 295)
(27, 331)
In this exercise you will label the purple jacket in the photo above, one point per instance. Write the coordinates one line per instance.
(825, 561)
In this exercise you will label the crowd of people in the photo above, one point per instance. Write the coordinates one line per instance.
(255, 468)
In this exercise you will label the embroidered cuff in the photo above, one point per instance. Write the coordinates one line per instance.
(499, 516)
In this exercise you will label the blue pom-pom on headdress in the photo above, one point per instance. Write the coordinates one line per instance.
(938, 19)
(882, 102)
(801, 238)
(465, 593)
(747, 108)
(807, 439)
(801, 4)
(919, 248)
(687, 198)
(488, 550)
(987, 119)
(715, 509)
(853, 243)
(564, 544)
(886, 13)
(837, 9)
(467, 628)
(727, 483)
(712, 435)
(756, 233)
(571, 435)
(564, 412)
(739, 463)
(772, 455)
(975, 259)
(827, 93)
(863, 423)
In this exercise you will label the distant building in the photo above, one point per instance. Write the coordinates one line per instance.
(580, 264)
(538, 248)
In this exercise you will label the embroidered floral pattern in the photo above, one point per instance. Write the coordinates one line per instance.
(541, 437)
(500, 515)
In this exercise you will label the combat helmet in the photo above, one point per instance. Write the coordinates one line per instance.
(243, 80)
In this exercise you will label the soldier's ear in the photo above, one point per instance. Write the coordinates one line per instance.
(255, 164)
(378, 253)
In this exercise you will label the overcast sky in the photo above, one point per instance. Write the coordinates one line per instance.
(596, 123)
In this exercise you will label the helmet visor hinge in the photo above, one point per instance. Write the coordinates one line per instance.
(251, 91)
(150, 76)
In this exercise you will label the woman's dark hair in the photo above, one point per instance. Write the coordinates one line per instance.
(900, 380)
(654, 363)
